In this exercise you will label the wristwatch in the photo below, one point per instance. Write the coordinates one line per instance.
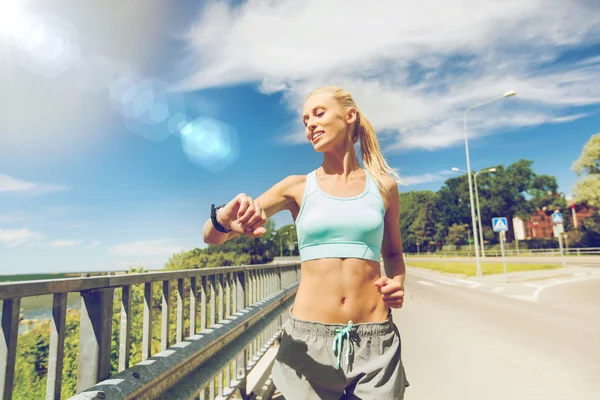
(213, 218)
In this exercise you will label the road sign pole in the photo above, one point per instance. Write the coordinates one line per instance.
(557, 218)
(502, 249)
(562, 253)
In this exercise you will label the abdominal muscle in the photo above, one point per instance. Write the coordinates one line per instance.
(335, 290)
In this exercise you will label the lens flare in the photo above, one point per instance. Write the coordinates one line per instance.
(149, 108)
(47, 45)
(210, 143)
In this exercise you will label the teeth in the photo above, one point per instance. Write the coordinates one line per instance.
(317, 135)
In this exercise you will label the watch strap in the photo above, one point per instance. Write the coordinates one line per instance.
(213, 218)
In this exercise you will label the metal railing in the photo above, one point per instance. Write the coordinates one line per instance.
(583, 251)
(234, 315)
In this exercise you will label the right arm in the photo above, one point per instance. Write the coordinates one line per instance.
(246, 216)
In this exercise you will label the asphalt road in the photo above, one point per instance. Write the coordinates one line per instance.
(467, 341)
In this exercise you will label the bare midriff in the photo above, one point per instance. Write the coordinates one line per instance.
(335, 290)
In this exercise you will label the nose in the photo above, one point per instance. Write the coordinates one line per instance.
(311, 125)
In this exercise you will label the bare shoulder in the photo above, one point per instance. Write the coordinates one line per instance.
(391, 186)
(283, 195)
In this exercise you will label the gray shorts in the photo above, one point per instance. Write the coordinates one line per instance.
(331, 361)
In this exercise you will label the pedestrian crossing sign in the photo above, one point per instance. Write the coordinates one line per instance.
(500, 224)
(557, 217)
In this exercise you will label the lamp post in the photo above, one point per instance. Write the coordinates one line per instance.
(477, 260)
(478, 216)
(479, 209)
(281, 243)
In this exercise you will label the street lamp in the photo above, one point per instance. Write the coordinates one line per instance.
(479, 209)
(281, 243)
(477, 260)
(478, 217)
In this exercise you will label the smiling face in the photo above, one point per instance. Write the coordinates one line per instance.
(328, 126)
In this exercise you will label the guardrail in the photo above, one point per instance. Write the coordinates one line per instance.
(583, 251)
(240, 310)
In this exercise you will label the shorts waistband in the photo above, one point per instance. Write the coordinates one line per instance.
(328, 329)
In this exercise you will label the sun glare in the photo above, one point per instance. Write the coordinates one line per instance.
(12, 17)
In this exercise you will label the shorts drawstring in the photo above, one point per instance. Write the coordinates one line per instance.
(339, 338)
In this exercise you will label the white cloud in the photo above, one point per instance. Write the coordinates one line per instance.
(413, 67)
(12, 184)
(95, 243)
(415, 180)
(146, 248)
(8, 218)
(65, 243)
(19, 237)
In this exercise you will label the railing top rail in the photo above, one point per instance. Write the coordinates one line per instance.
(13, 290)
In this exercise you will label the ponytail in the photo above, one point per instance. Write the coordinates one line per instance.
(370, 152)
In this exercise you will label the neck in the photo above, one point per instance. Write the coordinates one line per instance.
(342, 164)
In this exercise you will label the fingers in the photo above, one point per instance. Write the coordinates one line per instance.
(249, 215)
(387, 289)
(392, 293)
(395, 304)
(394, 299)
(246, 208)
(381, 281)
(257, 216)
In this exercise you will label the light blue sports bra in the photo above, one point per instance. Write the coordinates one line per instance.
(340, 227)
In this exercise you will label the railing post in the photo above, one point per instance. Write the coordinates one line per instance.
(241, 285)
(227, 295)
(180, 290)
(9, 330)
(166, 314)
(147, 326)
(279, 283)
(94, 337)
(125, 329)
(203, 316)
(220, 301)
(193, 296)
(57, 345)
(213, 301)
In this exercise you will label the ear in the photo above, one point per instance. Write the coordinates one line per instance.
(351, 115)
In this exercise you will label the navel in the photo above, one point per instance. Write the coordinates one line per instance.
(343, 301)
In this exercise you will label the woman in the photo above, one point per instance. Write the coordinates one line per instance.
(340, 341)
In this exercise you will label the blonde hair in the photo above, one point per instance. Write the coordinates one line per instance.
(372, 158)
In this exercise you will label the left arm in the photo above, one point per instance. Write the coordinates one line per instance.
(391, 251)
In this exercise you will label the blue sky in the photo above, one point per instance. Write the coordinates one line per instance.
(123, 121)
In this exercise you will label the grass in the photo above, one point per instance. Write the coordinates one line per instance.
(469, 268)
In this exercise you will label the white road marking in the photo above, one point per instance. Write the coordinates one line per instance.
(470, 283)
(555, 282)
(580, 274)
(533, 285)
(522, 297)
(426, 283)
(498, 289)
(446, 282)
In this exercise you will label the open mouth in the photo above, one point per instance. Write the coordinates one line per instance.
(317, 135)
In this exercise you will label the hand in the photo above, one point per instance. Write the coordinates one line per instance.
(244, 215)
(392, 291)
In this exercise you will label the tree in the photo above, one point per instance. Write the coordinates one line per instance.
(418, 219)
(587, 189)
(544, 192)
(457, 234)
(452, 206)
